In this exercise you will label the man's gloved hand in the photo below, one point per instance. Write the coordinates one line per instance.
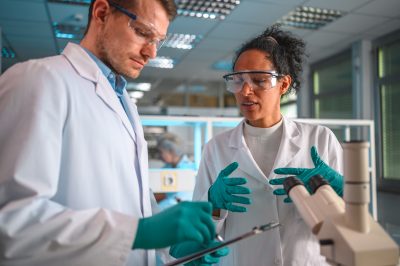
(186, 221)
(184, 249)
(304, 174)
(222, 194)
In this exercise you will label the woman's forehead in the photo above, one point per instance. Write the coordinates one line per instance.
(253, 59)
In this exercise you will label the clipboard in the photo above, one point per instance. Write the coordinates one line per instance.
(255, 231)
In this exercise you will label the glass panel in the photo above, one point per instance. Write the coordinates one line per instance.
(390, 97)
(333, 77)
(389, 59)
(289, 110)
(335, 107)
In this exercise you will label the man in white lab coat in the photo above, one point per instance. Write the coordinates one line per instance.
(73, 159)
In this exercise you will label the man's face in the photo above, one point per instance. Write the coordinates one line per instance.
(123, 43)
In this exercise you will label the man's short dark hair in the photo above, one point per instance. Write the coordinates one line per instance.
(168, 5)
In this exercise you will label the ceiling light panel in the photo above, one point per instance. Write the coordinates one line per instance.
(136, 94)
(225, 65)
(7, 52)
(142, 86)
(66, 31)
(162, 62)
(305, 17)
(211, 9)
(182, 41)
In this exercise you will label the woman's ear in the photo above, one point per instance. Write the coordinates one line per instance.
(285, 82)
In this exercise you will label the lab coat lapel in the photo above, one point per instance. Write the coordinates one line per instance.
(142, 152)
(137, 127)
(88, 69)
(243, 155)
(289, 146)
(108, 95)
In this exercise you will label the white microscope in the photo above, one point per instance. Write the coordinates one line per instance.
(347, 233)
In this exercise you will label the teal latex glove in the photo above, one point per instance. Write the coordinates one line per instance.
(222, 194)
(184, 249)
(304, 174)
(186, 221)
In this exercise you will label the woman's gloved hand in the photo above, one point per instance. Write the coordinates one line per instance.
(304, 174)
(186, 221)
(187, 248)
(222, 194)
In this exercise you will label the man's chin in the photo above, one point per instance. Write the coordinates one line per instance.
(133, 74)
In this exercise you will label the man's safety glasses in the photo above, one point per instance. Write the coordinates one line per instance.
(146, 33)
(257, 79)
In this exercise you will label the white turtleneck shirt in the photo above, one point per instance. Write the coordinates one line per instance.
(263, 144)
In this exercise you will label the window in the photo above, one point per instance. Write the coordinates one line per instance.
(289, 105)
(332, 87)
(389, 98)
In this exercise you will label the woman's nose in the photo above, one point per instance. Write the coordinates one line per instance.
(246, 88)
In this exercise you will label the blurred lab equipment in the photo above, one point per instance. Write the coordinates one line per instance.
(347, 234)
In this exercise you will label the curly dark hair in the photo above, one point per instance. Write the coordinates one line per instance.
(286, 52)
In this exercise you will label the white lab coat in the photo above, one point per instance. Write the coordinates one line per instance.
(291, 244)
(67, 193)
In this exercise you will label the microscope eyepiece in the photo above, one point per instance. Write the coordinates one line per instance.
(315, 182)
(290, 182)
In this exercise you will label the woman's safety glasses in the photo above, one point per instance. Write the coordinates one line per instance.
(146, 33)
(257, 79)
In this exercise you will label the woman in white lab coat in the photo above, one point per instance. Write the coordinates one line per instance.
(265, 69)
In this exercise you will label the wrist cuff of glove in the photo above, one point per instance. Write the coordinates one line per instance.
(140, 235)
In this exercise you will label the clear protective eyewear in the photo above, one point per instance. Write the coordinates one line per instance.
(257, 79)
(146, 33)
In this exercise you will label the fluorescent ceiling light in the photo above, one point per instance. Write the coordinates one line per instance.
(161, 62)
(66, 31)
(225, 65)
(207, 9)
(7, 52)
(138, 86)
(136, 94)
(305, 17)
(182, 41)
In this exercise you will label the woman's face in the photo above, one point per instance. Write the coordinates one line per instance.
(259, 100)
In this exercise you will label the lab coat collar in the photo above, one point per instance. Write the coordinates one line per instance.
(288, 148)
(88, 69)
(81, 61)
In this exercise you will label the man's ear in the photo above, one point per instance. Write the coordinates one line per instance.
(101, 10)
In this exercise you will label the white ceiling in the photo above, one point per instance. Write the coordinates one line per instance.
(27, 28)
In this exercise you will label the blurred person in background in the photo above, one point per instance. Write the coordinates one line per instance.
(171, 153)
